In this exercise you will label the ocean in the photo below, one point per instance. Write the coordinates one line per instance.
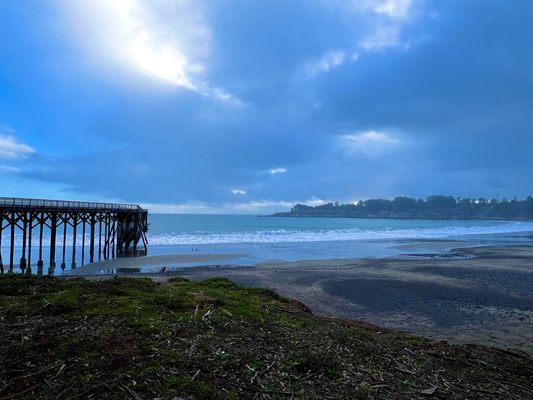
(280, 239)
(191, 229)
(258, 239)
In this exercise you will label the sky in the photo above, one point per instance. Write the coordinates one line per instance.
(241, 106)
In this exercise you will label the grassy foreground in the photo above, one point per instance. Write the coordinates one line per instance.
(131, 338)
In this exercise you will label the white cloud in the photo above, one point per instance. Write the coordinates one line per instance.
(238, 191)
(8, 170)
(164, 63)
(382, 38)
(187, 208)
(394, 14)
(390, 9)
(132, 33)
(11, 148)
(384, 22)
(272, 205)
(329, 61)
(167, 40)
(221, 94)
(399, 9)
(371, 143)
(275, 171)
(252, 207)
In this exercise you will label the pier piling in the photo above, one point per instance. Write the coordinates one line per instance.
(123, 227)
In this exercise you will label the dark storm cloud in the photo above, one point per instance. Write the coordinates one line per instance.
(441, 103)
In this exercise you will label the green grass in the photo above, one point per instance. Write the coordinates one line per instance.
(131, 338)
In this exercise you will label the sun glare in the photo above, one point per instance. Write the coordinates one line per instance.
(145, 49)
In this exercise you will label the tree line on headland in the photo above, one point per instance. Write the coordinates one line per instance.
(433, 207)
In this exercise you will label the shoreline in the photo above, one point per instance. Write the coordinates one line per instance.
(137, 263)
(484, 299)
(222, 255)
(402, 218)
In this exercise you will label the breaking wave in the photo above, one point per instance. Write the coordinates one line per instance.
(322, 235)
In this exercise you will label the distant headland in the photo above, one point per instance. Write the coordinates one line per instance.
(433, 207)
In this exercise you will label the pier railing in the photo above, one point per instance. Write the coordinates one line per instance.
(18, 202)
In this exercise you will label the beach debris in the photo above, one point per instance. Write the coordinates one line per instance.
(215, 339)
(430, 391)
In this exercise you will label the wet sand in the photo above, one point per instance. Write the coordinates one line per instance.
(484, 295)
(134, 265)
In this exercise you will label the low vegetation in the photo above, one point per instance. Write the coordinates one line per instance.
(132, 338)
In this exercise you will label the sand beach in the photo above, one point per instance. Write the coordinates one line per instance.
(479, 295)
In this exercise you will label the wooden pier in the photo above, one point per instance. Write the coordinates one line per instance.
(107, 231)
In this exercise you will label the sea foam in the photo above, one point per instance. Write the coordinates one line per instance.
(323, 235)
